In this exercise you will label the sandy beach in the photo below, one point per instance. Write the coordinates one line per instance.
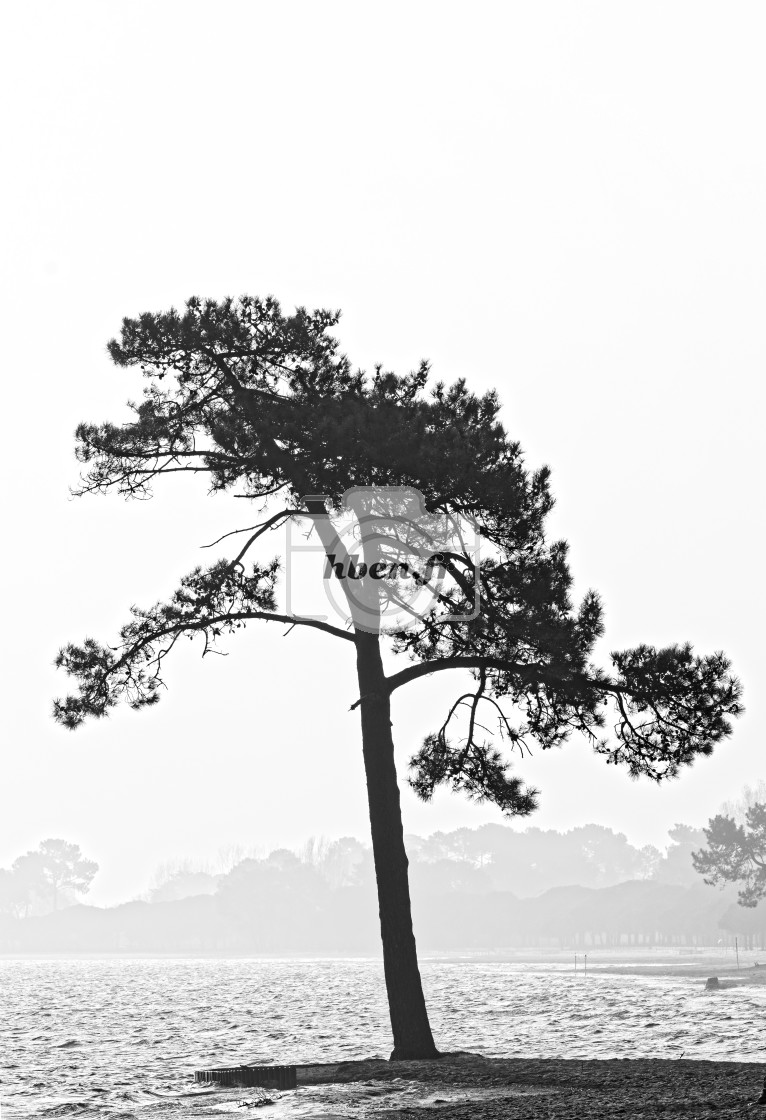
(469, 1087)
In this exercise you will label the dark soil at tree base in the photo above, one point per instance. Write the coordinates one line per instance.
(469, 1087)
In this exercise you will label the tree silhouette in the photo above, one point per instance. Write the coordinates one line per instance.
(14, 898)
(266, 402)
(736, 853)
(55, 866)
(677, 866)
(28, 873)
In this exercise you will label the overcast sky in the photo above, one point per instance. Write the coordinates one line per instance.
(565, 201)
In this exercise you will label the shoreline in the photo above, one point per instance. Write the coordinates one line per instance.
(465, 1086)
(656, 963)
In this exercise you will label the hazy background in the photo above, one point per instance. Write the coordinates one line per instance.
(563, 201)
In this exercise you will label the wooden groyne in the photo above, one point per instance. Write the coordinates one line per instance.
(266, 1077)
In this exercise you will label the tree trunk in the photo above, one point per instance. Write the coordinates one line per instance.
(409, 1018)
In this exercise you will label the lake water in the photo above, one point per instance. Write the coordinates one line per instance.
(121, 1037)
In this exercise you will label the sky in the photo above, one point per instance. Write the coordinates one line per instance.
(562, 201)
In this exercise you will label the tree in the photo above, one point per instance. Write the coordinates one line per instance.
(54, 867)
(266, 403)
(605, 857)
(280, 900)
(677, 865)
(342, 863)
(14, 899)
(181, 879)
(750, 796)
(29, 875)
(736, 853)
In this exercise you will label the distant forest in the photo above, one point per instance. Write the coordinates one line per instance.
(486, 888)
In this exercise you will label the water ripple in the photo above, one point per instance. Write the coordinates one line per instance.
(122, 1037)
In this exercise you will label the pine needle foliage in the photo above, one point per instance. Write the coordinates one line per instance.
(736, 853)
(266, 403)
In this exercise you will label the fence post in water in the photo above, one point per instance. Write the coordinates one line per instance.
(736, 949)
(586, 965)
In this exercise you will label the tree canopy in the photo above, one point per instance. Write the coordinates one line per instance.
(56, 869)
(736, 853)
(266, 404)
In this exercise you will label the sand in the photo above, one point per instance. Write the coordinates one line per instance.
(469, 1087)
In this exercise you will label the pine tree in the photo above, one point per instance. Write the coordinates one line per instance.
(267, 403)
(54, 867)
(736, 853)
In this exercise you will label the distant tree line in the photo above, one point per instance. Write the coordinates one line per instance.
(490, 858)
(489, 887)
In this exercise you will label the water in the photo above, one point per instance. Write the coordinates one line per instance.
(121, 1037)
